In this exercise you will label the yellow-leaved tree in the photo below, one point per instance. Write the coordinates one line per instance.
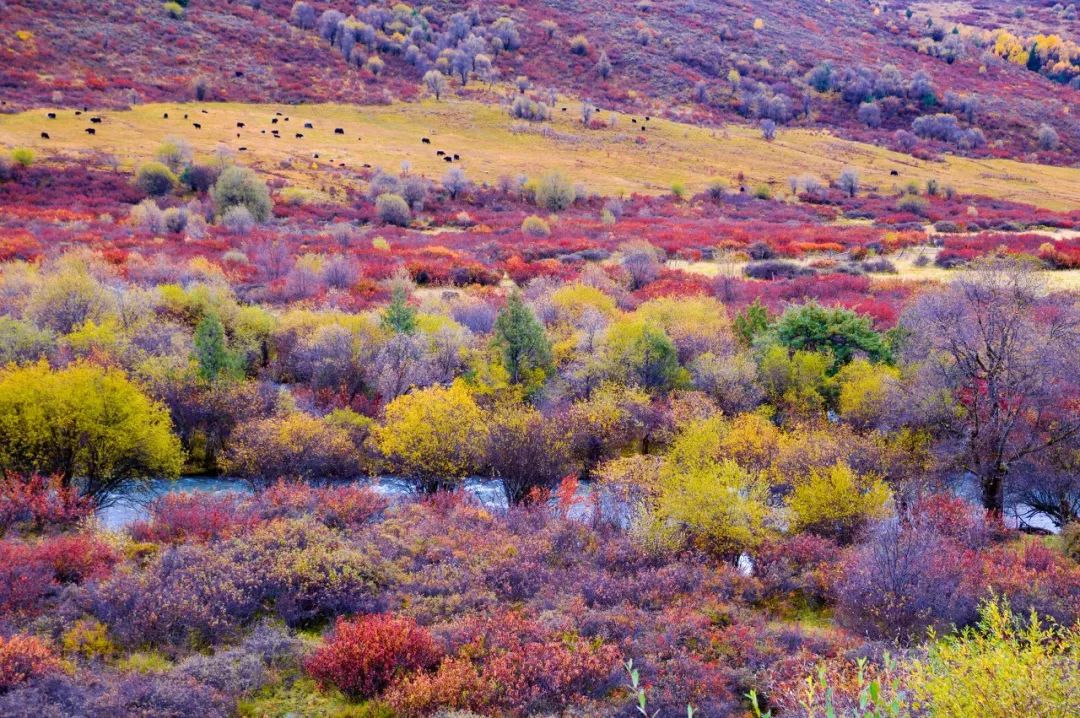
(85, 423)
(436, 435)
(708, 501)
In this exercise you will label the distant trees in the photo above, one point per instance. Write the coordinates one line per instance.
(154, 179)
(554, 192)
(241, 187)
(393, 209)
(1047, 137)
(603, 65)
(455, 182)
(88, 424)
(436, 83)
(579, 45)
(302, 15)
(848, 181)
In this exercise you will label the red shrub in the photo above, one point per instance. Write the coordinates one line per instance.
(336, 506)
(363, 656)
(201, 517)
(23, 658)
(77, 558)
(37, 502)
(509, 664)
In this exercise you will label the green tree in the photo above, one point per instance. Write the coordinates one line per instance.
(398, 315)
(836, 331)
(211, 351)
(88, 424)
(751, 322)
(522, 342)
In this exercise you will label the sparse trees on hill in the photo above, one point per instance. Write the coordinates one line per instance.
(302, 15)
(848, 181)
(436, 83)
(393, 209)
(154, 179)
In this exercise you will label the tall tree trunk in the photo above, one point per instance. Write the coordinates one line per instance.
(993, 490)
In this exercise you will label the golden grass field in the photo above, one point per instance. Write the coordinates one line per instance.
(491, 143)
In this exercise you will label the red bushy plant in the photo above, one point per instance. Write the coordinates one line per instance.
(36, 503)
(23, 658)
(509, 664)
(364, 655)
(179, 518)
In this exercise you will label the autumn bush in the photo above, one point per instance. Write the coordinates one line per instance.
(23, 658)
(362, 657)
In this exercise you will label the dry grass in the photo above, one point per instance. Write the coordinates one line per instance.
(609, 161)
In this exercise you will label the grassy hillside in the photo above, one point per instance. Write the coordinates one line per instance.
(620, 158)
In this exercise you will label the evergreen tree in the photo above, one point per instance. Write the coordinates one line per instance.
(398, 315)
(521, 339)
(750, 322)
(211, 352)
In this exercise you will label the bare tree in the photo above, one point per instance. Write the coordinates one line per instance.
(999, 370)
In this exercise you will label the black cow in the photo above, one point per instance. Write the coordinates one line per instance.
(299, 136)
(439, 153)
(165, 116)
(78, 112)
(240, 125)
(339, 131)
(647, 118)
(425, 140)
(278, 114)
(91, 131)
(196, 125)
(894, 173)
(185, 115)
(316, 155)
(308, 126)
(633, 120)
(457, 156)
(52, 115)
(204, 112)
(44, 135)
(243, 149)
(448, 158)
(273, 121)
(96, 120)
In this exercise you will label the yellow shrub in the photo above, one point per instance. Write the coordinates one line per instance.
(88, 639)
(1002, 668)
(837, 502)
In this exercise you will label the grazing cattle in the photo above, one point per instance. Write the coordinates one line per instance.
(96, 120)
(643, 128)
(204, 112)
(91, 131)
(278, 114)
(564, 109)
(439, 153)
(273, 121)
(286, 119)
(308, 126)
(78, 112)
(339, 131)
(165, 116)
(243, 149)
(341, 164)
(299, 136)
(239, 73)
(367, 166)
(457, 156)
(633, 120)
(240, 125)
(262, 131)
(44, 135)
(448, 158)
(196, 125)
(894, 173)
(52, 115)
(237, 135)
(316, 155)
(185, 115)
(425, 140)
(647, 118)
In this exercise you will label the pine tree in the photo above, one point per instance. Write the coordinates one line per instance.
(211, 352)
(521, 339)
(398, 315)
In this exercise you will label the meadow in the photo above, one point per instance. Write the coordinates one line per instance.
(620, 157)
